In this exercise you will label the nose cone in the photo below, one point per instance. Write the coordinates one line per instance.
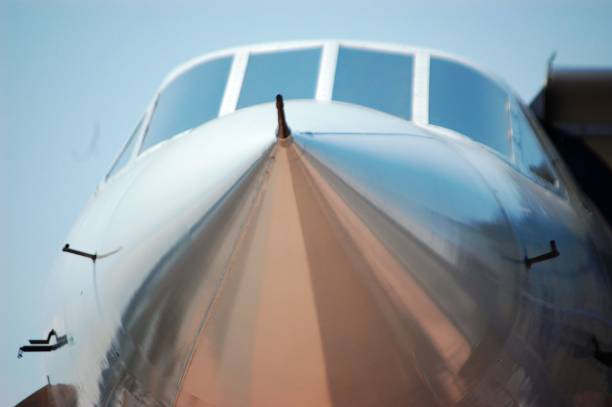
(371, 269)
(363, 262)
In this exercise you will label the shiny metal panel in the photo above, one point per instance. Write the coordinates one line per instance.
(413, 245)
(565, 301)
(438, 219)
(113, 311)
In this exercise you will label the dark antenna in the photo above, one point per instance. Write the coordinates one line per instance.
(67, 249)
(283, 130)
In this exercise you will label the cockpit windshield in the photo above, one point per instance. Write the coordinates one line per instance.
(464, 100)
(379, 80)
(425, 87)
(291, 73)
(191, 99)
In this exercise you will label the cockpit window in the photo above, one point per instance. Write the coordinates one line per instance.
(127, 151)
(533, 157)
(468, 102)
(379, 80)
(290, 73)
(190, 100)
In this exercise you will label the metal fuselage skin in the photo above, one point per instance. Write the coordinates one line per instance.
(436, 230)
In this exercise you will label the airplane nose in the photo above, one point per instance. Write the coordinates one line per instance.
(372, 269)
(364, 260)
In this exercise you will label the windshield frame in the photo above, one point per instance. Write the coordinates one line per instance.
(325, 84)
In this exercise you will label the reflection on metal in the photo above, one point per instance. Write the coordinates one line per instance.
(529, 261)
(310, 238)
(283, 130)
(42, 345)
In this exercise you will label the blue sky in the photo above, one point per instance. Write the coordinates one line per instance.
(66, 65)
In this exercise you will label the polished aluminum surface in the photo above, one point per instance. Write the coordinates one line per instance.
(407, 246)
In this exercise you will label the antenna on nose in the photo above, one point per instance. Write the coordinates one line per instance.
(283, 130)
